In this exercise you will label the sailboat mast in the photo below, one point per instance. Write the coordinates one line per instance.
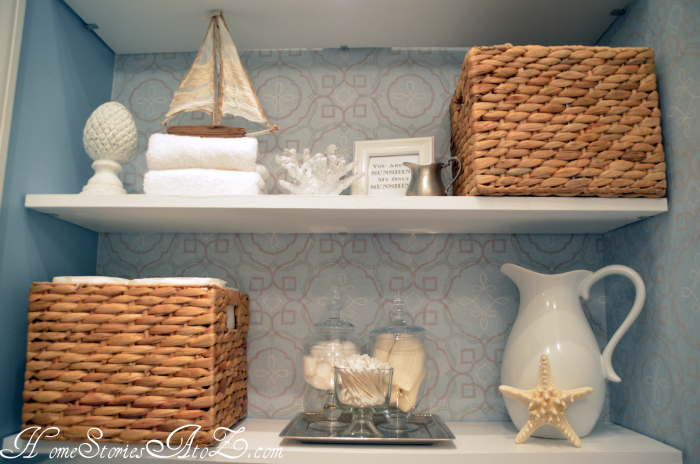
(218, 87)
(217, 83)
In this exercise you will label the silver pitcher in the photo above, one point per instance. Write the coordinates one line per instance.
(426, 179)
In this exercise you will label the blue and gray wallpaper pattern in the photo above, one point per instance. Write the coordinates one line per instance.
(659, 394)
(452, 283)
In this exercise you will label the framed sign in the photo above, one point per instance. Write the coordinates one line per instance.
(381, 164)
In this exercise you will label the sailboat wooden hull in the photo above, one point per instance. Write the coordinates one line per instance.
(208, 131)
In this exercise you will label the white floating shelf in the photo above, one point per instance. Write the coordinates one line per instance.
(153, 26)
(345, 213)
(475, 442)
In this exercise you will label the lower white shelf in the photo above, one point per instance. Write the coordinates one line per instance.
(345, 213)
(475, 442)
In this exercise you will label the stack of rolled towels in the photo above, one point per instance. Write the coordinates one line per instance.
(184, 165)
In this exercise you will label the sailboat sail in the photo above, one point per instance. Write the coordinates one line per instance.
(223, 91)
(238, 97)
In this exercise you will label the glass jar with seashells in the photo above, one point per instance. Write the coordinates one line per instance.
(330, 341)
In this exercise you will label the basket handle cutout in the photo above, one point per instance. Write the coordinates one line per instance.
(230, 317)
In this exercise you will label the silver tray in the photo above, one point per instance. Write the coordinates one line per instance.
(431, 429)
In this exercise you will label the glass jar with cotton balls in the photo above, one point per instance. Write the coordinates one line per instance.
(110, 138)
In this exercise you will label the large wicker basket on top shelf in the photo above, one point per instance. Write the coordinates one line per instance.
(565, 120)
(134, 361)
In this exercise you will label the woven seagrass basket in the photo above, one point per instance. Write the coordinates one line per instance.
(565, 120)
(135, 361)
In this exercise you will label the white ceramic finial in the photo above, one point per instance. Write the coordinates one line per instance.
(110, 138)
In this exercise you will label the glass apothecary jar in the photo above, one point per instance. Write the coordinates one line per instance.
(331, 340)
(403, 347)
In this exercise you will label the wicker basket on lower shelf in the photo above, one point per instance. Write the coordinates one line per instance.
(565, 120)
(135, 361)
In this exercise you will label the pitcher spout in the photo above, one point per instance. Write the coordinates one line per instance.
(527, 280)
(519, 275)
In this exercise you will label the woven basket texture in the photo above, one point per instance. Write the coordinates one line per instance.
(135, 361)
(565, 120)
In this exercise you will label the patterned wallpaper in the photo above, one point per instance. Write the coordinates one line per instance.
(452, 283)
(659, 394)
(317, 97)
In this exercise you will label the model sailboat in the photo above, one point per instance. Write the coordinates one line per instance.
(217, 83)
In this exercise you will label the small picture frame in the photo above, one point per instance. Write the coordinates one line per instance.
(381, 162)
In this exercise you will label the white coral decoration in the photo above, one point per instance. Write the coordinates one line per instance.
(318, 174)
(110, 133)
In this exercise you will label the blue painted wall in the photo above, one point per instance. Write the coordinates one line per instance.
(65, 72)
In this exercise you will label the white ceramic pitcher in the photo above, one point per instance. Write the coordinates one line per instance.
(551, 321)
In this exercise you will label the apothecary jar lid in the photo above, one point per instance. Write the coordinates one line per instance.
(398, 324)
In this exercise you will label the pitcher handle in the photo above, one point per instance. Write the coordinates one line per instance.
(459, 171)
(639, 298)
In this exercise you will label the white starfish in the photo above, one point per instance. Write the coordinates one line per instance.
(546, 404)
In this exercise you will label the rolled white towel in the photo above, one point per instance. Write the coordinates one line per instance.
(89, 280)
(262, 170)
(167, 151)
(203, 182)
(203, 281)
